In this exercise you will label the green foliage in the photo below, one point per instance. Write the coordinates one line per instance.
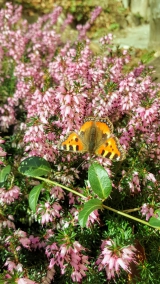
(34, 166)
(7, 86)
(147, 57)
(99, 181)
(114, 26)
(155, 221)
(34, 195)
(4, 174)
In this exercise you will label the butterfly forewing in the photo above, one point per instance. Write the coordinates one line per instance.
(103, 124)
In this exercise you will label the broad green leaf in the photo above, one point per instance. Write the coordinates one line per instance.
(99, 180)
(155, 221)
(4, 174)
(34, 195)
(89, 207)
(34, 166)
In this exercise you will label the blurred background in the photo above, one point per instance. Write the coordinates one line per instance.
(134, 23)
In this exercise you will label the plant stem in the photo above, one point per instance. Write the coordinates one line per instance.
(129, 216)
(61, 185)
(104, 206)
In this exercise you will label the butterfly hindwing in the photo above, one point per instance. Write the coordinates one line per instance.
(111, 149)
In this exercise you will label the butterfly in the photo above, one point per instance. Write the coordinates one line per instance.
(95, 137)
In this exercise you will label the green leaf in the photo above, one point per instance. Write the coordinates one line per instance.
(89, 207)
(34, 195)
(99, 180)
(155, 221)
(4, 174)
(34, 166)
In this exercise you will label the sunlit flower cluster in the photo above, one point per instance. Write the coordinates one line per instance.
(9, 196)
(112, 258)
(69, 255)
(147, 211)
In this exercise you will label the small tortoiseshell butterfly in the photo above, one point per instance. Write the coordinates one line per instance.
(95, 137)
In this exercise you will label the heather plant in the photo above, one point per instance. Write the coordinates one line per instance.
(69, 217)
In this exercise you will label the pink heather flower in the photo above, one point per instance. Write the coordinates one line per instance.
(12, 266)
(95, 13)
(147, 211)
(25, 242)
(69, 255)
(67, 21)
(8, 224)
(57, 192)
(93, 217)
(22, 238)
(67, 174)
(151, 177)
(25, 281)
(9, 196)
(7, 115)
(83, 29)
(1, 140)
(49, 212)
(36, 243)
(112, 260)
(106, 39)
(134, 184)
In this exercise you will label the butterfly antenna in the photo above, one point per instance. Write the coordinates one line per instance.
(81, 164)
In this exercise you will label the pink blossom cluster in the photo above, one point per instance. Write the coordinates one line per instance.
(106, 39)
(57, 192)
(112, 258)
(8, 118)
(69, 255)
(134, 185)
(148, 211)
(20, 238)
(49, 212)
(8, 223)
(25, 280)
(16, 242)
(67, 21)
(12, 40)
(13, 267)
(10, 195)
(36, 243)
(82, 29)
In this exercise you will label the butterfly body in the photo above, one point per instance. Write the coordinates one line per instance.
(95, 137)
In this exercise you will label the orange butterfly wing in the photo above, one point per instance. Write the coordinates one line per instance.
(95, 136)
(111, 149)
(72, 142)
(103, 124)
